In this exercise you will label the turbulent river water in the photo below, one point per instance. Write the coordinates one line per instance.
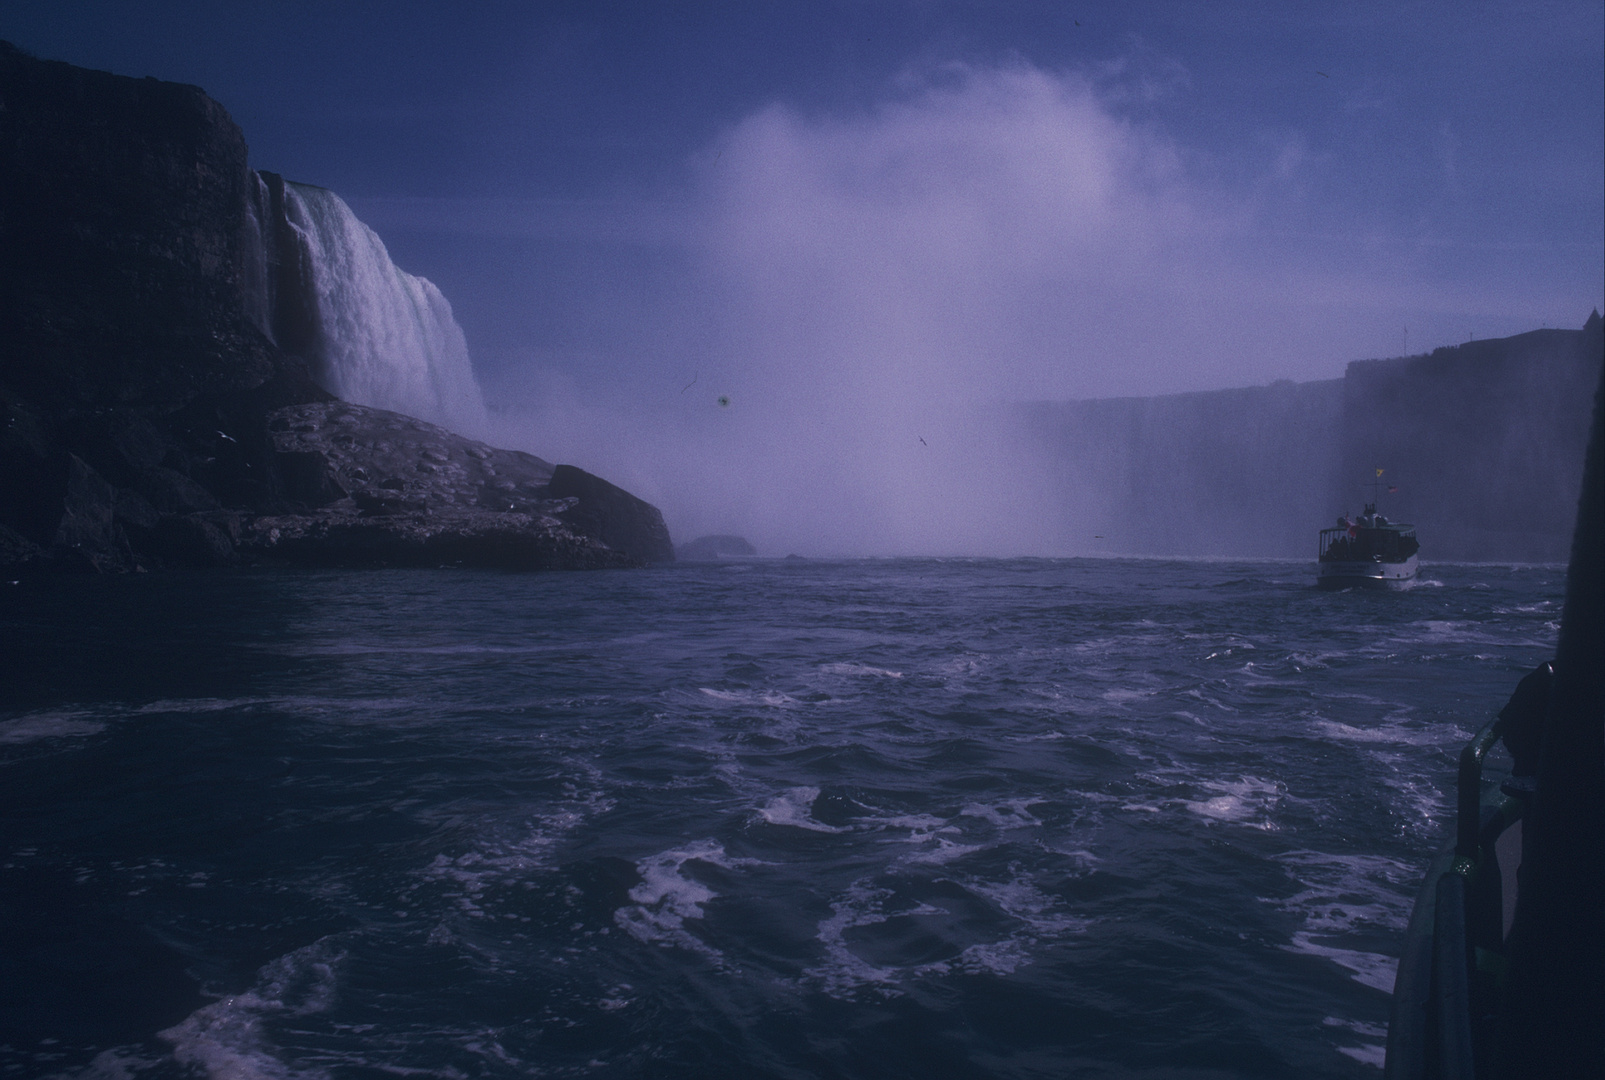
(878, 819)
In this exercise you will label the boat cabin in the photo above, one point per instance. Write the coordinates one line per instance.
(1373, 538)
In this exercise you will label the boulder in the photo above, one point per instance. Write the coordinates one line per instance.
(612, 515)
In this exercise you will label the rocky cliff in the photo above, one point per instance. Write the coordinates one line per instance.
(1483, 441)
(148, 415)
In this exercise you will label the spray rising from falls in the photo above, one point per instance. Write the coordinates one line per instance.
(324, 287)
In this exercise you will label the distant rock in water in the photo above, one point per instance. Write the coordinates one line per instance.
(176, 328)
(710, 548)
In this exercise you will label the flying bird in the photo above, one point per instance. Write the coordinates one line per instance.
(921, 438)
(1323, 75)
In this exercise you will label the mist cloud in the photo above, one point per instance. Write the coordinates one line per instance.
(866, 291)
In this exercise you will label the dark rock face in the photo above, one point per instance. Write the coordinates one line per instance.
(711, 548)
(148, 418)
(613, 515)
(1484, 442)
(86, 534)
(123, 201)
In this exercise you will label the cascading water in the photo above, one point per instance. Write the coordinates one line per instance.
(324, 287)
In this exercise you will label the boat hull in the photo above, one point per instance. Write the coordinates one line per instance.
(1355, 574)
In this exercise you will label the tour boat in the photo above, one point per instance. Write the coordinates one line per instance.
(1372, 553)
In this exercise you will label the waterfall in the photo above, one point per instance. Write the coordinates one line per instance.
(322, 286)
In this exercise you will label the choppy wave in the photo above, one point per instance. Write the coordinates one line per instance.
(455, 824)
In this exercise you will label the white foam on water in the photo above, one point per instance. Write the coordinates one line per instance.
(1375, 1031)
(1199, 695)
(963, 665)
(1246, 801)
(667, 897)
(921, 827)
(765, 698)
(1032, 916)
(225, 1040)
(1423, 800)
(1455, 632)
(930, 834)
(860, 669)
(1381, 880)
(1366, 1054)
(988, 958)
(1345, 895)
(35, 727)
(942, 851)
(795, 807)
(1526, 609)
(1370, 969)
(1021, 899)
(502, 859)
(844, 972)
(1008, 814)
(1389, 731)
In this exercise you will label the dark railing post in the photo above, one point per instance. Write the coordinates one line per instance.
(1468, 813)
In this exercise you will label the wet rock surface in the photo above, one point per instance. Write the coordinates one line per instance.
(334, 449)
(381, 488)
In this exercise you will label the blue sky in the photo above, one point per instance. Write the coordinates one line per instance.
(851, 215)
